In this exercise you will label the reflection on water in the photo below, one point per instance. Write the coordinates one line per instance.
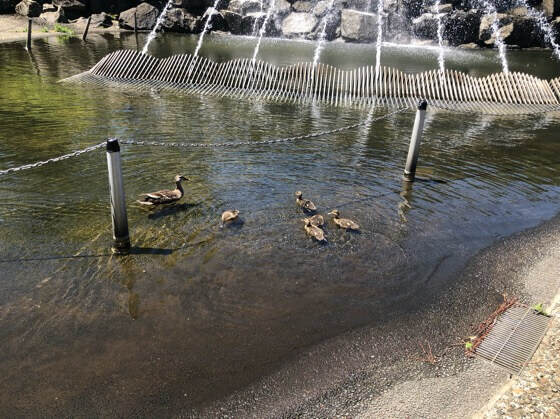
(200, 310)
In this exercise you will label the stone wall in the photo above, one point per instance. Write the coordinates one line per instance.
(350, 20)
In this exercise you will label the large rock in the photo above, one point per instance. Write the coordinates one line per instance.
(234, 21)
(252, 22)
(29, 8)
(180, 20)
(526, 33)
(244, 7)
(462, 27)
(197, 7)
(358, 26)
(8, 6)
(298, 24)
(425, 26)
(146, 15)
(302, 6)
(282, 8)
(486, 32)
(52, 17)
(73, 9)
(217, 21)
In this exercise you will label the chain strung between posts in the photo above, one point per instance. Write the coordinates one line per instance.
(228, 144)
(264, 142)
(54, 159)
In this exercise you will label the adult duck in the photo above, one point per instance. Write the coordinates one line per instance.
(165, 196)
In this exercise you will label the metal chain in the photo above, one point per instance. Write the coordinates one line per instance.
(273, 141)
(54, 159)
(227, 144)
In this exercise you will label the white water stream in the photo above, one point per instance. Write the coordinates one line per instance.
(159, 21)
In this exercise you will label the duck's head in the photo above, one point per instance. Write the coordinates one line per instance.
(235, 213)
(180, 178)
(299, 194)
(335, 213)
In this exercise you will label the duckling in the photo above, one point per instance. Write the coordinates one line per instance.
(165, 196)
(229, 215)
(314, 231)
(317, 220)
(306, 204)
(343, 222)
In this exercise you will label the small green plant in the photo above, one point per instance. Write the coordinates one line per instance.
(468, 346)
(44, 29)
(63, 29)
(539, 309)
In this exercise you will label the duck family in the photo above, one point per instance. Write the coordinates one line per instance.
(313, 223)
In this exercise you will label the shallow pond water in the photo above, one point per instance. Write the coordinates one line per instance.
(197, 311)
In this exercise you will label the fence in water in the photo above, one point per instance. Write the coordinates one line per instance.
(500, 93)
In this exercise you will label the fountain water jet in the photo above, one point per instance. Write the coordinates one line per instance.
(213, 10)
(379, 42)
(323, 34)
(261, 32)
(491, 11)
(159, 21)
(256, 22)
(544, 26)
(441, 60)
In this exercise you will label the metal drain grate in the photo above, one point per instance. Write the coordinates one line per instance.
(514, 338)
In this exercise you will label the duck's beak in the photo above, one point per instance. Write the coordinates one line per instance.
(330, 213)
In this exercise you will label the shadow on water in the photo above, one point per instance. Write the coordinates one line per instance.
(171, 210)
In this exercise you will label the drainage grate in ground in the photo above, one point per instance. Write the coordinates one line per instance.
(514, 338)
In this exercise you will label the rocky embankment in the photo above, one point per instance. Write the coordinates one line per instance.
(464, 22)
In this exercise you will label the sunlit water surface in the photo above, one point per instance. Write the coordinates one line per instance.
(198, 311)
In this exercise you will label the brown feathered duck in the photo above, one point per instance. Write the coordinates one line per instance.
(343, 222)
(317, 220)
(306, 204)
(314, 231)
(165, 196)
(229, 215)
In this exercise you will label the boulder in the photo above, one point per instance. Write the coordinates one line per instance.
(146, 15)
(302, 6)
(8, 6)
(526, 33)
(180, 20)
(358, 26)
(98, 20)
(298, 24)
(321, 8)
(217, 21)
(233, 21)
(462, 27)
(252, 22)
(73, 9)
(29, 8)
(47, 7)
(244, 7)
(486, 33)
(282, 8)
(50, 17)
(443, 8)
(425, 26)
(198, 7)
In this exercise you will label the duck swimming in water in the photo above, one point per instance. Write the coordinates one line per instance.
(314, 231)
(306, 204)
(165, 196)
(229, 215)
(317, 220)
(343, 222)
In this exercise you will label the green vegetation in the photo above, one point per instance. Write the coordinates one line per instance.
(63, 29)
(540, 309)
(44, 29)
(468, 346)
